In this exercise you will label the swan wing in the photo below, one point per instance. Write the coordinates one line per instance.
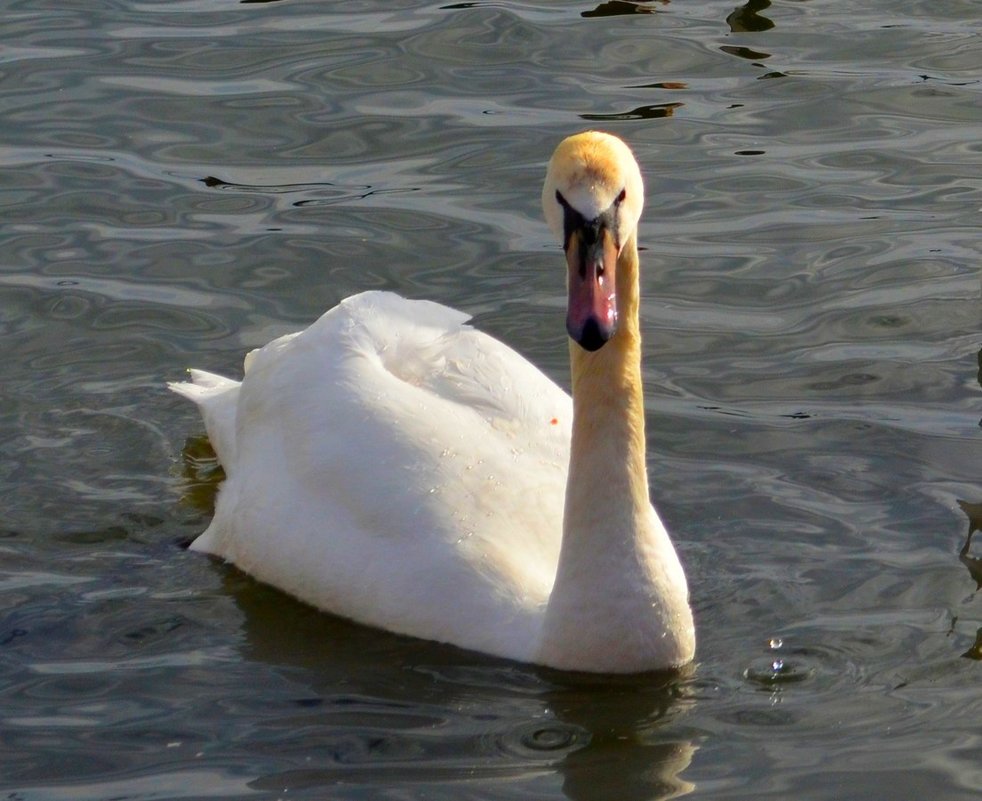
(396, 466)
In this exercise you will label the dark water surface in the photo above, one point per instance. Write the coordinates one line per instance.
(181, 181)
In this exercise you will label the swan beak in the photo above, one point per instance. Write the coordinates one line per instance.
(591, 311)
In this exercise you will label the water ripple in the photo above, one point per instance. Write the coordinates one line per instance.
(184, 181)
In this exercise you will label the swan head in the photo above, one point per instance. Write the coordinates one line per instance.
(592, 199)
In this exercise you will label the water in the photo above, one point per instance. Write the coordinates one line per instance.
(182, 181)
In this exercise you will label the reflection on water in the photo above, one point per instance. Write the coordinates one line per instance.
(614, 8)
(973, 511)
(185, 181)
(747, 18)
(639, 113)
(975, 652)
(470, 717)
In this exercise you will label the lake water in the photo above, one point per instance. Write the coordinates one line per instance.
(181, 181)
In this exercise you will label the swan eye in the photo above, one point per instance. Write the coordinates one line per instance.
(572, 219)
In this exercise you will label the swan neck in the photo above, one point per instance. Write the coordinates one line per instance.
(620, 600)
(608, 449)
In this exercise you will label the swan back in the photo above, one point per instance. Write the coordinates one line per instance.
(392, 464)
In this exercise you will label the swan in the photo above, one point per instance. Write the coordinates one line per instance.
(393, 465)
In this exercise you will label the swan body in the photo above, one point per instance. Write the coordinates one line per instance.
(395, 466)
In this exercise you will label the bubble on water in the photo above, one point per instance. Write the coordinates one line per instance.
(533, 739)
(551, 738)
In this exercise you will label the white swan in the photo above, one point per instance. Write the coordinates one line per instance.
(395, 466)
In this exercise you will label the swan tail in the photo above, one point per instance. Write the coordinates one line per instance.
(216, 398)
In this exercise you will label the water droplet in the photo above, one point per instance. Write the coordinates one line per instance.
(775, 643)
(770, 671)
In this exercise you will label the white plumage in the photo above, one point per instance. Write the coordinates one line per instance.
(371, 465)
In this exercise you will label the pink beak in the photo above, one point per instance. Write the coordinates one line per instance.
(591, 312)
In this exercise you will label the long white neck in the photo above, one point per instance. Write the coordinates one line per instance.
(620, 601)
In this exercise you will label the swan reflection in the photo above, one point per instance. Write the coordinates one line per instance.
(379, 708)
